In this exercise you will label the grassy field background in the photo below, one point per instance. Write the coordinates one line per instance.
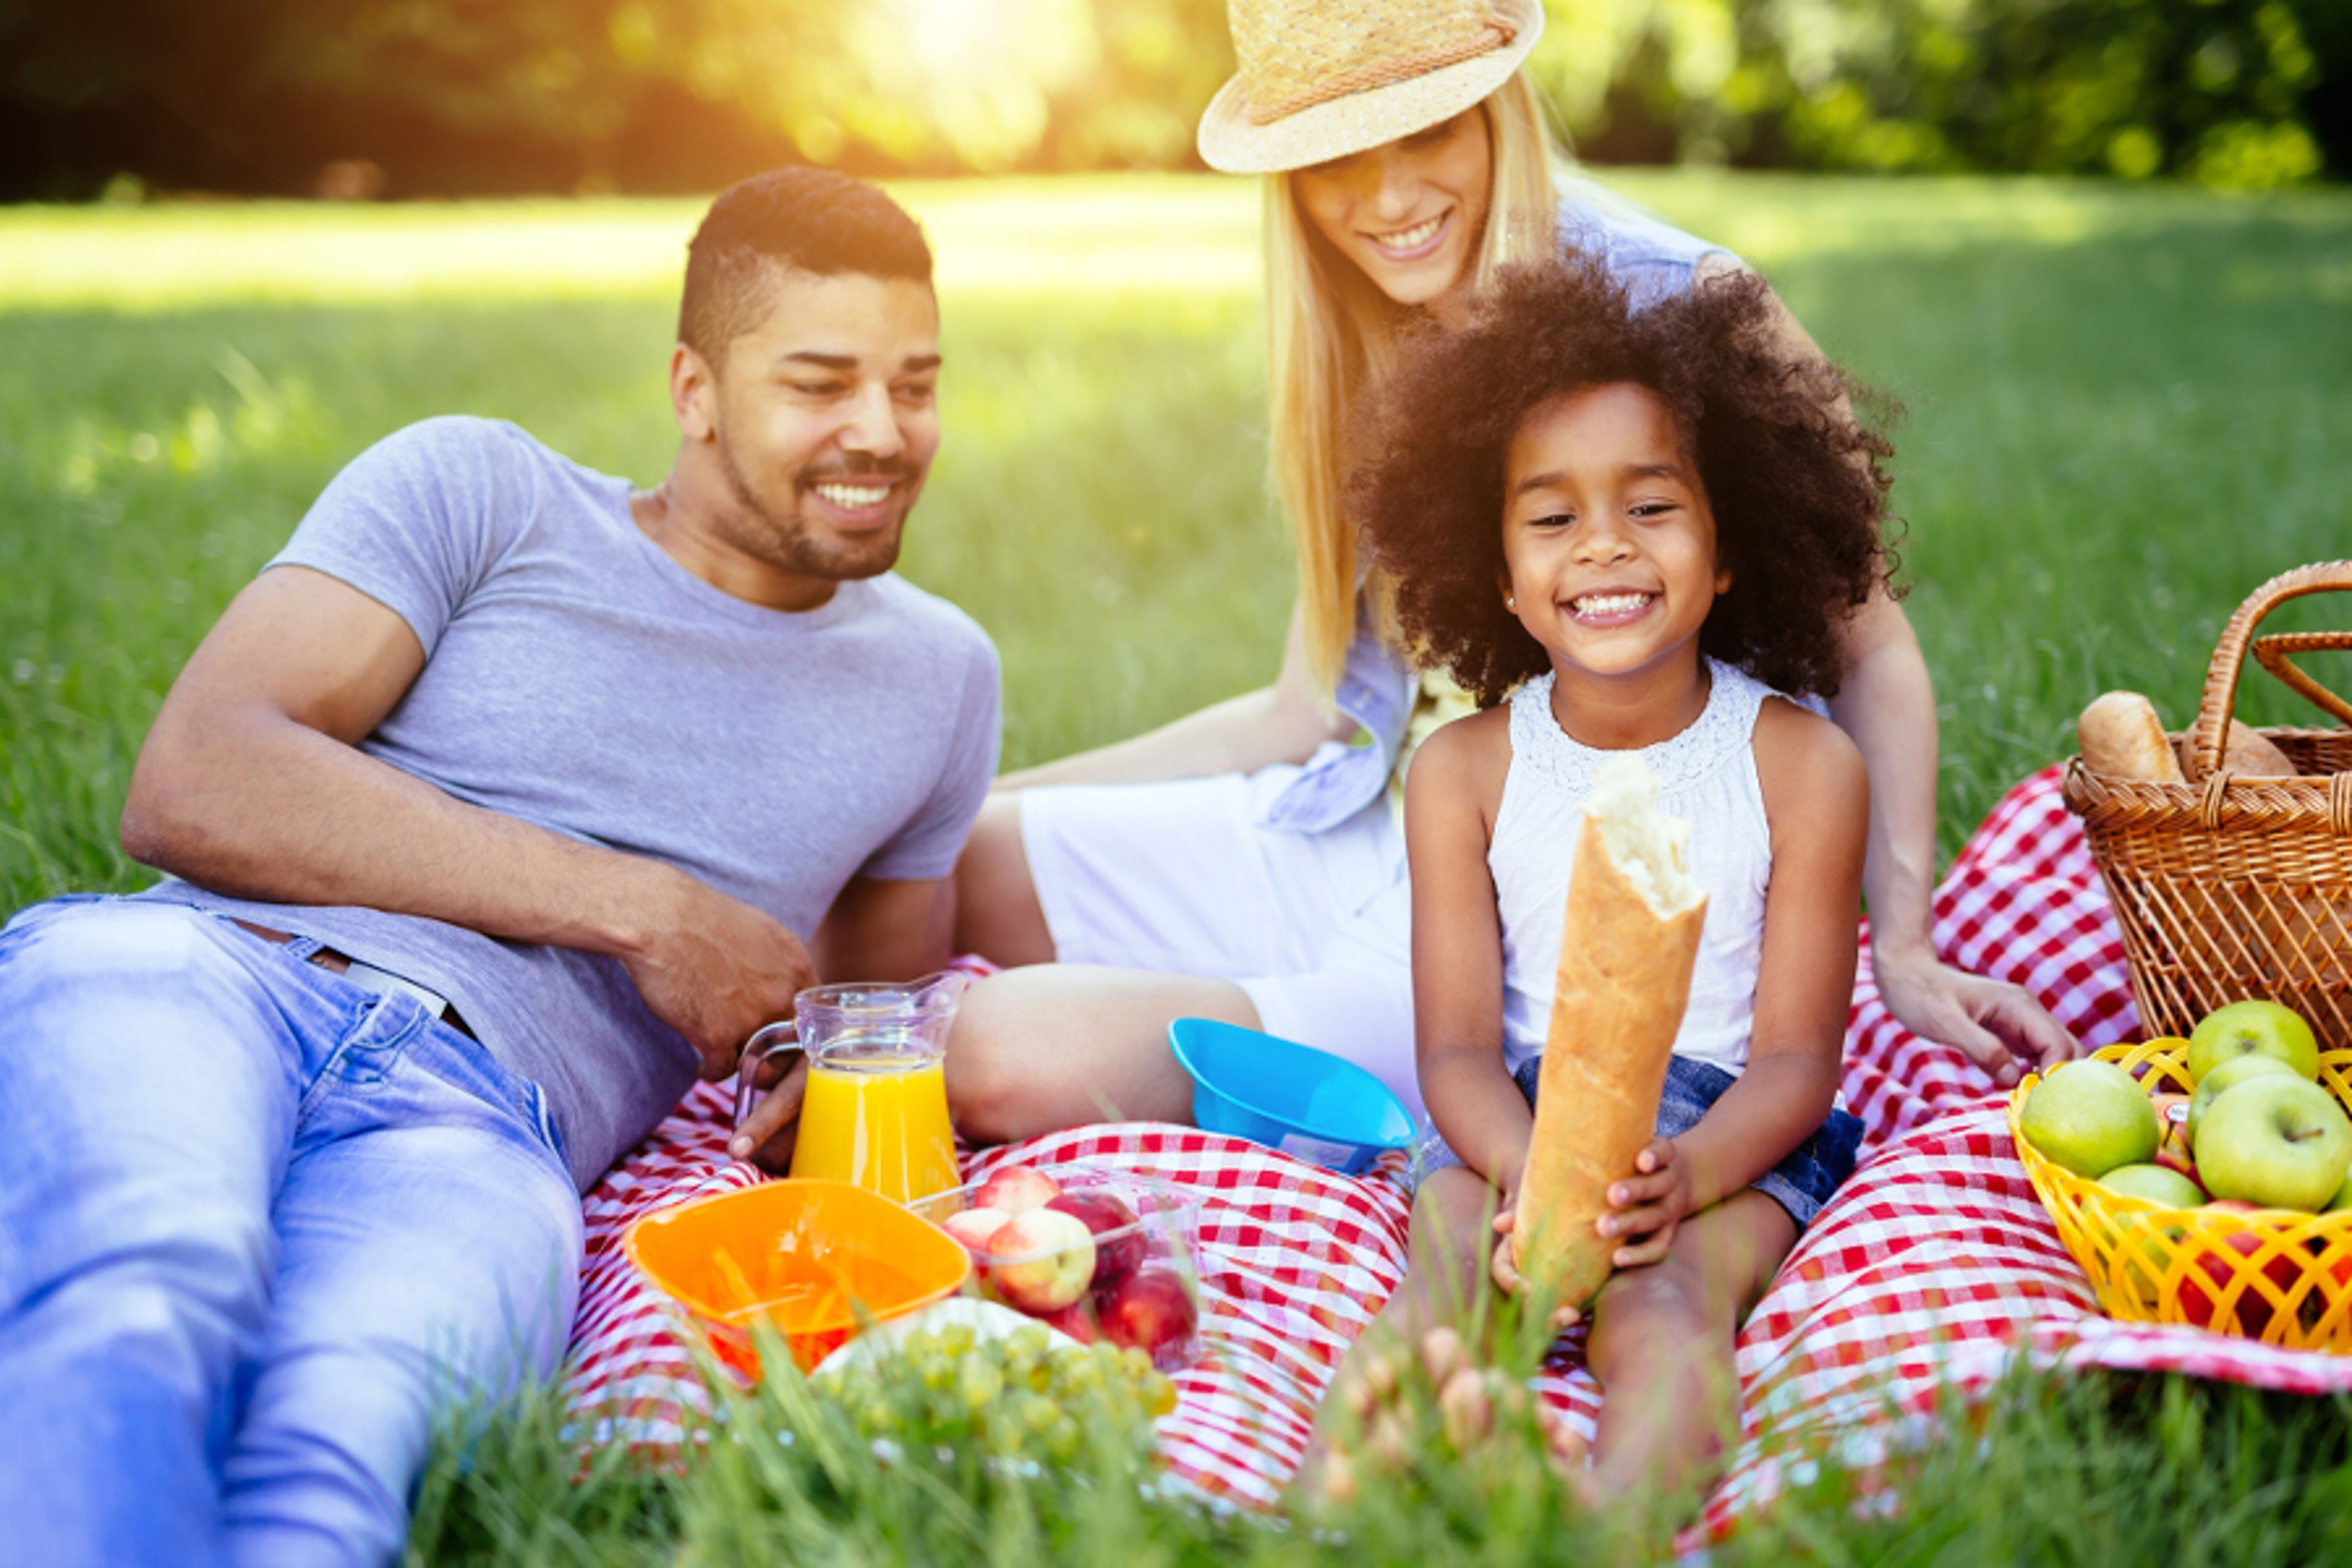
(2126, 406)
(2126, 409)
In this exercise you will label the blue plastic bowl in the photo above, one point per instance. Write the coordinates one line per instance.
(1320, 1108)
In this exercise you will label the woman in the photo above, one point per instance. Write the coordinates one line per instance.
(1246, 862)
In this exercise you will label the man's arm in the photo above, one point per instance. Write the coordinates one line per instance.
(250, 783)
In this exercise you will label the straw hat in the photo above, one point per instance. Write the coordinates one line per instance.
(1322, 79)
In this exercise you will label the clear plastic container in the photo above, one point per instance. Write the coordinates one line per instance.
(1134, 1278)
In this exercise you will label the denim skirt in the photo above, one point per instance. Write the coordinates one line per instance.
(1801, 1183)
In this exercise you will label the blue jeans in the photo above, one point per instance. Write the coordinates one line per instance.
(256, 1224)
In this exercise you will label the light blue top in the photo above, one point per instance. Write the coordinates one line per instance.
(1655, 261)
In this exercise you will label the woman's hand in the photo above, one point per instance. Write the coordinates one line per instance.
(1647, 1205)
(1997, 1026)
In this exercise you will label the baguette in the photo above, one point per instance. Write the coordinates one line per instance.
(1626, 951)
(2123, 738)
(2246, 753)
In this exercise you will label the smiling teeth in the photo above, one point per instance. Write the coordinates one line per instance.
(1406, 239)
(1610, 603)
(851, 497)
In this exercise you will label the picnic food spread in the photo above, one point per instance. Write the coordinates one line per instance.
(2215, 1188)
(1634, 914)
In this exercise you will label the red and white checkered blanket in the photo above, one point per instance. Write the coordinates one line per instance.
(1933, 1269)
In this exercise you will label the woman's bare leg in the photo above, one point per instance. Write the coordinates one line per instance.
(1066, 1045)
(998, 914)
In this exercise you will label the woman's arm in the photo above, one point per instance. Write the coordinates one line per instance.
(1279, 723)
(1451, 795)
(1887, 704)
(1816, 801)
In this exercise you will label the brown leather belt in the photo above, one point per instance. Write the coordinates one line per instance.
(378, 980)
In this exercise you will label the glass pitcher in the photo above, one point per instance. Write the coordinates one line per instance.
(876, 1113)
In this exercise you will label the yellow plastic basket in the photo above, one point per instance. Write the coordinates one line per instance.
(2278, 1276)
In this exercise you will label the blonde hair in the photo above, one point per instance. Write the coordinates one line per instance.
(1332, 332)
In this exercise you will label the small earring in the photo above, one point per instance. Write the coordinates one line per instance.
(1511, 602)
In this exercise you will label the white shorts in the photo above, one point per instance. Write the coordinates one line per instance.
(1177, 878)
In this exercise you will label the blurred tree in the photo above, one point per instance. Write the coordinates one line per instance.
(403, 97)
(2225, 92)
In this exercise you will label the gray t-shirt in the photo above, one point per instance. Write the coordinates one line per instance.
(577, 677)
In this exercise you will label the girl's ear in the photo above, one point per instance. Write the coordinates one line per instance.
(1510, 600)
(1722, 581)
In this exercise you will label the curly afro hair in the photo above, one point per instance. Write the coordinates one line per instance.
(1794, 481)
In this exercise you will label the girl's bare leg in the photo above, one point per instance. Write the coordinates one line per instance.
(1662, 1348)
(1446, 1261)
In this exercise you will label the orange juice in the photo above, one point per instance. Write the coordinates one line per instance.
(878, 1117)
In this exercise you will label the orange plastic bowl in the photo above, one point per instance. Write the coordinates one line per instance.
(817, 1260)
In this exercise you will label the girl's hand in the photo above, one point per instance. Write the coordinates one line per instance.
(1645, 1207)
(1506, 1269)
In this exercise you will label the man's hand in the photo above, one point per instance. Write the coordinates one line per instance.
(714, 969)
(1997, 1026)
(768, 1135)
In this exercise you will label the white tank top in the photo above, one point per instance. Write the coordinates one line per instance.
(1707, 775)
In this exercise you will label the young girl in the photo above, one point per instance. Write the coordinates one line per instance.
(1644, 529)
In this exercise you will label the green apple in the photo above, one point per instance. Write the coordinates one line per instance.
(2342, 1200)
(2235, 1069)
(2275, 1140)
(2090, 1116)
(2156, 1183)
(2247, 1029)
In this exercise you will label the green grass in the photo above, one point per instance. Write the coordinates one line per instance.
(2100, 1471)
(2126, 407)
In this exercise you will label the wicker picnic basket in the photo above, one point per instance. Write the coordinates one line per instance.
(2279, 1276)
(2229, 888)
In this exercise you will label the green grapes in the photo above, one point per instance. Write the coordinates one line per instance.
(1019, 1398)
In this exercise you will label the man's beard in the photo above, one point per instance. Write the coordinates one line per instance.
(784, 541)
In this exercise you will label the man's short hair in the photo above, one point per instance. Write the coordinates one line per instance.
(799, 219)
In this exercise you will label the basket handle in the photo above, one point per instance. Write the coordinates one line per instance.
(2229, 656)
(2270, 652)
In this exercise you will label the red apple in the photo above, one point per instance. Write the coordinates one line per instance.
(1048, 1256)
(1075, 1320)
(2253, 1307)
(1119, 1241)
(2172, 1131)
(1017, 1189)
(973, 1227)
(1151, 1311)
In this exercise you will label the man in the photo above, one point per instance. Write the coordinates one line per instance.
(502, 801)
